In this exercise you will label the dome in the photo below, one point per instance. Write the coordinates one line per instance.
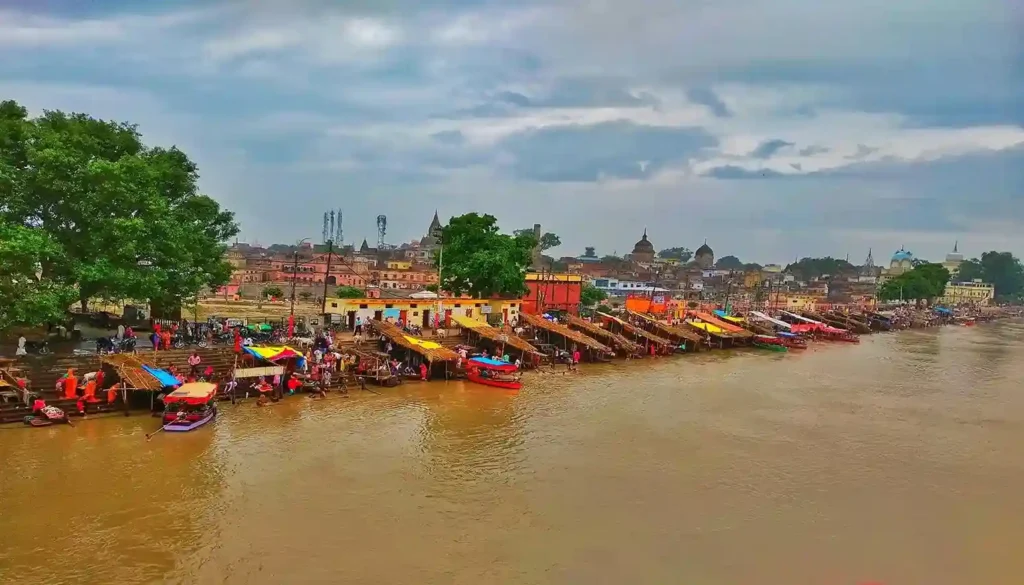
(705, 250)
(902, 255)
(644, 246)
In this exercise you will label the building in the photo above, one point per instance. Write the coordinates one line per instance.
(953, 260)
(552, 291)
(314, 270)
(902, 261)
(422, 311)
(643, 251)
(403, 279)
(615, 287)
(705, 256)
(975, 292)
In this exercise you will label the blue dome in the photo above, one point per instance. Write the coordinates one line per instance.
(902, 255)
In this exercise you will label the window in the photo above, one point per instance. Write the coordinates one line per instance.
(389, 306)
(364, 306)
(334, 305)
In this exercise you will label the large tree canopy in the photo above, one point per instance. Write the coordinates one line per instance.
(729, 263)
(26, 297)
(548, 240)
(926, 282)
(1001, 269)
(128, 218)
(810, 268)
(477, 259)
(682, 254)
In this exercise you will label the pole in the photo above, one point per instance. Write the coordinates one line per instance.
(295, 272)
(440, 302)
(330, 252)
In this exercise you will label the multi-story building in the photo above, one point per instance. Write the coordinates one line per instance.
(975, 292)
(615, 287)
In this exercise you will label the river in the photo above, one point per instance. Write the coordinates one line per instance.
(898, 460)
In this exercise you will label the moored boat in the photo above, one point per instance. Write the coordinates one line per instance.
(193, 404)
(769, 342)
(492, 372)
(792, 340)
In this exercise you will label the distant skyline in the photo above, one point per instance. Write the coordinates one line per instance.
(774, 129)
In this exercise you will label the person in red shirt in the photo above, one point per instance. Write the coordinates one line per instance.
(423, 371)
(293, 384)
(238, 342)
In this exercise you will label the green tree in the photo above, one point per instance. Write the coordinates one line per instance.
(810, 268)
(729, 263)
(129, 218)
(590, 252)
(432, 288)
(305, 295)
(590, 295)
(1000, 269)
(27, 298)
(926, 282)
(273, 291)
(681, 254)
(752, 267)
(548, 240)
(480, 260)
(349, 292)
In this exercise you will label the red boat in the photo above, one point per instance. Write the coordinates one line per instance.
(492, 372)
(792, 341)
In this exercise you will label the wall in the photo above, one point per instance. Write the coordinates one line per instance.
(557, 295)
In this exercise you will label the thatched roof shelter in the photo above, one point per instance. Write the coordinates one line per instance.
(609, 337)
(484, 330)
(559, 329)
(665, 328)
(433, 352)
(130, 369)
(634, 330)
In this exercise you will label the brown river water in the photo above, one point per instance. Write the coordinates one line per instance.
(897, 461)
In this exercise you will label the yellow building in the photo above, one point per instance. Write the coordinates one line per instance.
(420, 311)
(797, 302)
(399, 264)
(975, 292)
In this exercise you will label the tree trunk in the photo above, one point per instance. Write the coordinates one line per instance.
(84, 300)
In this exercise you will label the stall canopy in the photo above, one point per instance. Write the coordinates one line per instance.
(484, 330)
(434, 352)
(162, 376)
(276, 353)
(192, 393)
(492, 364)
(138, 375)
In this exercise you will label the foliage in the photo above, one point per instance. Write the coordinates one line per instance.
(604, 309)
(681, 254)
(480, 260)
(591, 295)
(349, 292)
(548, 240)
(1000, 269)
(129, 218)
(590, 252)
(810, 268)
(692, 304)
(610, 259)
(273, 291)
(925, 282)
(305, 295)
(752, 267)
(729, 263)
(25, 298)
(432, 288)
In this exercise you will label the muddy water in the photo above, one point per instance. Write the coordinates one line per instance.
(898, 460)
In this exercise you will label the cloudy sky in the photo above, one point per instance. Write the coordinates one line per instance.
(772, 128)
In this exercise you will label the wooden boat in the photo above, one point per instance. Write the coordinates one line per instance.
(770, 343)
(492, 372)
(792, 341)
(842, 335)
(190, 407)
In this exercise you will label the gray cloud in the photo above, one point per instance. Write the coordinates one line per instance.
(706, 97)
(769, 147)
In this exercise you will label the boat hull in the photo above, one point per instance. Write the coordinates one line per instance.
(770, 346)
(493, 383)
(186, 426)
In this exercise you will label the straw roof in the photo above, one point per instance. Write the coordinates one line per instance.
(665, 328)
(630, 328)
(610, 336)
(484, 330)
(565, 332)
(129, 368)
(399, 337)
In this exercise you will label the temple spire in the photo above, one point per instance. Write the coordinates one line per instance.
(955, 246)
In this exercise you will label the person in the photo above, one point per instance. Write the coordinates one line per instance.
(193, 363)
(165, 340)
(208, 373)
(120, 331)
(576, 359)
(80, 405)
(359, 326)
(129, 332)
(262, 400)
(21, 351)
(90, 391)
(70, 384)
(504, 358)
(423, 371)
(238, 342)
(293, 385)
(154, 338)
(112, 393)
(37, 406)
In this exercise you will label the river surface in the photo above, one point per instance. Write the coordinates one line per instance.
(898, 461)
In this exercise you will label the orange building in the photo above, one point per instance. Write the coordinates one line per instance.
(552, 292)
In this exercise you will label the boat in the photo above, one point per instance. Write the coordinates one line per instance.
(492, 372)
(769, 342)
(792, 340)
(195, 407)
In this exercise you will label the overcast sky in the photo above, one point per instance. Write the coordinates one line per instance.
(772, 128)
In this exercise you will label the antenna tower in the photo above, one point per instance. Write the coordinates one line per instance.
(382, 230)
(339, 233)
(325, 232)
(330, 231)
